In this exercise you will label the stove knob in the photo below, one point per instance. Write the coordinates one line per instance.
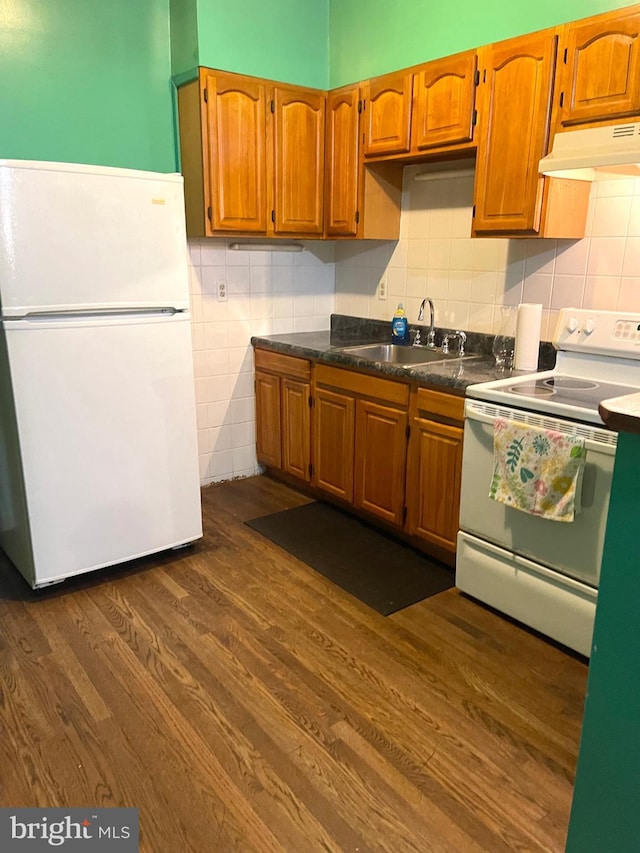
(589, 326)
(572, 325)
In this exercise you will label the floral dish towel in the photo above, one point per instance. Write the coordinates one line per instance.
(536, 470)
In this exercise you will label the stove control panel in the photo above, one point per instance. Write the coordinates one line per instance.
(627, 330)
(602, 332)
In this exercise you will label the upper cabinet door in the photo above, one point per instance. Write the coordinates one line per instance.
(299, 118)
(516, 83)
(387, 114)
(600, 72)
(444, 98)
(341, 161)
(235, 165)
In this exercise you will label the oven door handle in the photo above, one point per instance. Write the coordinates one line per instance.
(481, 412)
(595, 438)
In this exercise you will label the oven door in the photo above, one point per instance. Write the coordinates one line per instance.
(574, 549)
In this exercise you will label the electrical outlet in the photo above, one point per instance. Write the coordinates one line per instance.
(382, 288)
(222, 291)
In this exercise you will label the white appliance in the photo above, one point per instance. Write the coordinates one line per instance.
(98, 453)
(542, 572)
(594, 153)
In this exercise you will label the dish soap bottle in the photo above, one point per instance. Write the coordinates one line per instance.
(399, 326)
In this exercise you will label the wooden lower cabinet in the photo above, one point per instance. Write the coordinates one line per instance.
(360, 424)
(283, 419)
(268, 420)
(333, 446)
(380, 460)
(296, 435)
(435, 468)
(433, 501)
(361, 454)
(372, 443)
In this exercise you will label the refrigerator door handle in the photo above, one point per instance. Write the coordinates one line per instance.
(45, 316)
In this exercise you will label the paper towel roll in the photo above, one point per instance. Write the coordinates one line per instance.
(527, 336)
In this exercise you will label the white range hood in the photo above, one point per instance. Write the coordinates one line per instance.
(597, 153)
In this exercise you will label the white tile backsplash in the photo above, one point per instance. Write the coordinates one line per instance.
(468, 279)
(634, 217)
(268, 292)
(629, 296)
(606, 255)
(611, 216)
(631, 261)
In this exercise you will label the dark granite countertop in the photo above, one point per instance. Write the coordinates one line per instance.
(455, 374)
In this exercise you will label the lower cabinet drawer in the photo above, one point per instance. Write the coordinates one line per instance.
(439, 403)
(362, 384)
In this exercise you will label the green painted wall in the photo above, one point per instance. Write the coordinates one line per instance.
(605, 815)
(89, 80)
(86, 82)
(286, 40)
(184, 35)
(369, 37)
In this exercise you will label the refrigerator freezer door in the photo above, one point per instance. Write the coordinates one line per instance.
(105, 415)
(80, 237)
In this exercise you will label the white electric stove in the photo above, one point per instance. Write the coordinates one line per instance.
(546, 573)
(598, 358)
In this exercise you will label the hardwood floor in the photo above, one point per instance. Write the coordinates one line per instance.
(242, 702)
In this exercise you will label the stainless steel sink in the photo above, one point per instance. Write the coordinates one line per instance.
(396, 354)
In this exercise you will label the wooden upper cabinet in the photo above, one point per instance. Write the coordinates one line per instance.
(600, 69)
(443, 102)
(235, 115)
(298, 116)
(252, 156)
(361, 200)
(342, 162)
(387, 114)
(515, 94)
(421, 111)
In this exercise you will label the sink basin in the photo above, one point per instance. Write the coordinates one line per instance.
(396, 354)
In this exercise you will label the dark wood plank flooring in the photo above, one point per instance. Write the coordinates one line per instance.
(243, 702)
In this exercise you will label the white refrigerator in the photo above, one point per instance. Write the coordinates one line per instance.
(98, 445)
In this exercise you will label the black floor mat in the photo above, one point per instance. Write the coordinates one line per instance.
(381, 572)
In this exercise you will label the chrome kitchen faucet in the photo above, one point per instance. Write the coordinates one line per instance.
(463, 339)
(431, 336)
